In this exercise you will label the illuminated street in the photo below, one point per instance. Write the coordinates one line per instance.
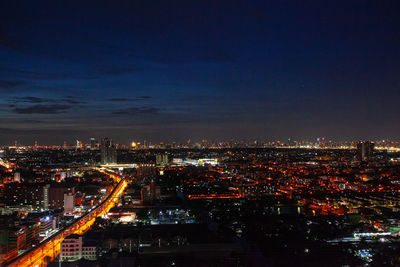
(48, 250)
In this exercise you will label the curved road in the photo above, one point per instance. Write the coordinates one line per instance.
(46, 251)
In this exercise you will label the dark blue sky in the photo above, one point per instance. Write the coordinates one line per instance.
(174, 70)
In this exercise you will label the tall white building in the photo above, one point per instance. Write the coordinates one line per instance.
(69, 201)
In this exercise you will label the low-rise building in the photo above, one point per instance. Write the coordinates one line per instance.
(73, 248)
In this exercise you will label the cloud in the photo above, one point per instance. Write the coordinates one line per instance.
(119, 99)
(34, 100)
(42, 109)
(34, 75)
(9, 84)
(73, 101)
(31, 121)
(117, 70)
(144, 97)
(47, 132)
(136, 111)
(31, 99)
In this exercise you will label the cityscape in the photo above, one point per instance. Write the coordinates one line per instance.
(199, 133)
(100, 203)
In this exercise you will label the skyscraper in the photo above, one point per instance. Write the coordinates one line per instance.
(92, 143)
(365, 150)
(108, 151)
(161, 159)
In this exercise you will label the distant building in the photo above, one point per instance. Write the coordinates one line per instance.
(93, 144)
(108, 151)
(161, 159)
(17, 177)
(365, 150)
(63, 175)
(145, 170)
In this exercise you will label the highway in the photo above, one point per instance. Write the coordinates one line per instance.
(4, 164)
(47, 251)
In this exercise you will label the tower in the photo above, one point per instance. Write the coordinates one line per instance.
(108, 151)
(365, 150)
(92, 143)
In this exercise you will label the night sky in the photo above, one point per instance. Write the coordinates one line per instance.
(174, 70)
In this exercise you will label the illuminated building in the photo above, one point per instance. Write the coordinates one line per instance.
(92, 143)
(32, 233)
(33, 195)
(150, 193)
(257, 190)
(195, 162)
(146, 170)
(47, 224)
(108, 151)
(122, 214)
(12, 239)
(54, 195)
(161, 159)
(133, 145)
(17, 177)
(365, 150)
(69, 201)
(73, 248)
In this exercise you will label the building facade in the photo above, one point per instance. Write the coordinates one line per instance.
(108, 151)
(73, 248)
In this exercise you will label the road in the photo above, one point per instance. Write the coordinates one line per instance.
(47, 251)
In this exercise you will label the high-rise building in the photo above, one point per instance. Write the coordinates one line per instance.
(365, 150)
(144, 171)
(53, 195)
(26, 194)
(150, 193)
(12, 239)
(78, 144)
(108, 151)
(92, 143)
(161, 159)
(69, 201)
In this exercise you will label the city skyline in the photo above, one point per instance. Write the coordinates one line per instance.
(178, 70)
(108, 147)
(96, 141)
